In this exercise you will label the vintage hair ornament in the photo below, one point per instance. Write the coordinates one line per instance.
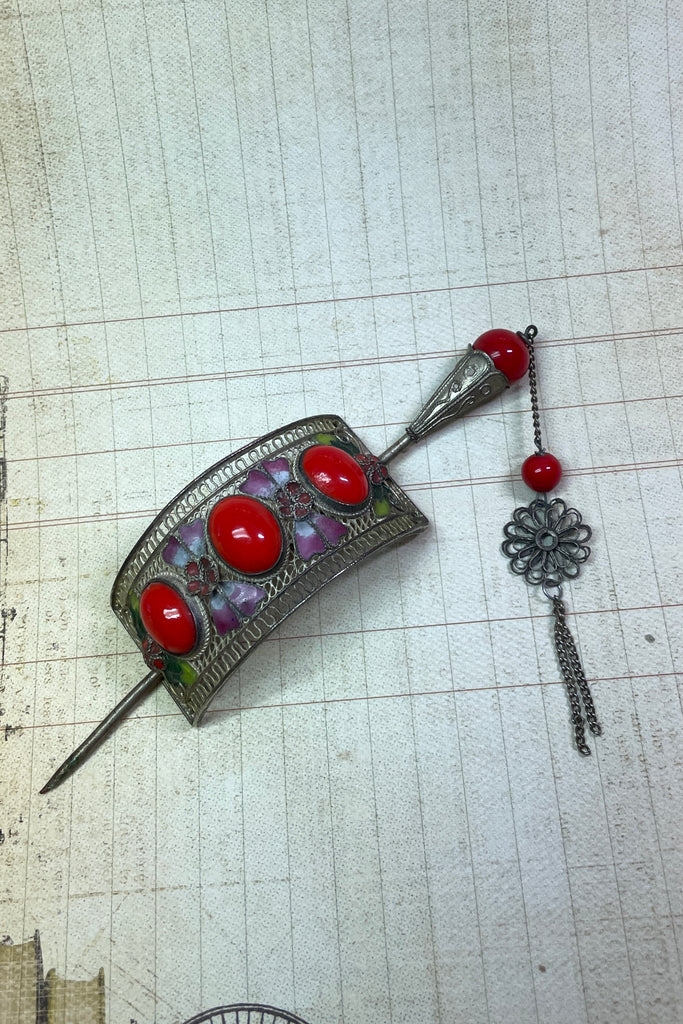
(257, 534)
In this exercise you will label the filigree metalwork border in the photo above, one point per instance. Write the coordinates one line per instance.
(289, 586)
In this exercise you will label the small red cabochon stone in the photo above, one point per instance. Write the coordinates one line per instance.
(507, 350)
(541, 472)
(167, 618)
(336, 474)
(245, 534)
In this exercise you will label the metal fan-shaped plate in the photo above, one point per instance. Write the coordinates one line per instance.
(246, 1013)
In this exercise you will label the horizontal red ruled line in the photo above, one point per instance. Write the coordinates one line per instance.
(240, 441)
(331, 300)
(368, 630)
(324, 701)
(433, 485)
(322, 366)
(106, 517)
(621, 467)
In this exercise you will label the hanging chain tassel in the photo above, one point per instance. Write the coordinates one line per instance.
(575, 679)
(546, 542)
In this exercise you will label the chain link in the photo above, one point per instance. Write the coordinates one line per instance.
(573, 694)
(529, 337)
(582, 683)
(575, 680)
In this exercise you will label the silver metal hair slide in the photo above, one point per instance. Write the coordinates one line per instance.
(256, 535)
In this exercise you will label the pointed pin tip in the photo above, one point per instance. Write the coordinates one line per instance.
(63, 772)
(51, 784)
(91, 742)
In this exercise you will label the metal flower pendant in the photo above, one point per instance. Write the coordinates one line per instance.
(546, 542)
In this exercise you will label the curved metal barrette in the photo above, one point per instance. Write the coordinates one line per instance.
(256, 535)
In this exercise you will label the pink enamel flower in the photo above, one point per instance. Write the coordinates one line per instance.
(230, 601)
(375, 471)
(313, 532)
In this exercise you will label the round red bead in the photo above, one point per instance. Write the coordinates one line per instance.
(541, 472)
(336, 474)
(167, 618)
(507, 350)
(245, 534)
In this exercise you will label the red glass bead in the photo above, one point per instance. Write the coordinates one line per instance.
(167, 618)
(507, 350)
(245, 534)
(336, 474)
(541, 472)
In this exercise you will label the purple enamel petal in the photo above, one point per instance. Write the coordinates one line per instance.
(192, 537)
(308, 541)
(244, 596)
(278, 469)
(175, 554)
(258, 485)
(331, 529)
(223, 615)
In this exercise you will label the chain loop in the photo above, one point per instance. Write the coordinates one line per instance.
(553, 591)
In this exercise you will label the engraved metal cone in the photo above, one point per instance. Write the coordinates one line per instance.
(473, 381)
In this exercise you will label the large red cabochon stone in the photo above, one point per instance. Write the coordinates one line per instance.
(167, 618)
(336, 474)
(245, 534)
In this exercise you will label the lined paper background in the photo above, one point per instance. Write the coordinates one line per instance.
(217, 218)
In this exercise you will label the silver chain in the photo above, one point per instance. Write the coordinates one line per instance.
(529, 337)
(575, 680)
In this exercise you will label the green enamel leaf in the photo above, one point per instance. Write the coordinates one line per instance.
(381, 502)
(336, 442)
(179, 673)
(346, 446)
(382, 507)
(188, 676)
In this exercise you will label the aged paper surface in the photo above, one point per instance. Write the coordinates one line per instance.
(219, 217)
